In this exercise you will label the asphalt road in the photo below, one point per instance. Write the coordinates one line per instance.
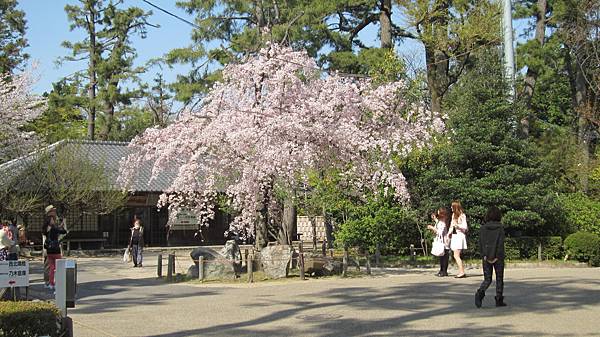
(116, 300)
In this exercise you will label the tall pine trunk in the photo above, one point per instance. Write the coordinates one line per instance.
(385, 22)
(531, 75)
(91, 118)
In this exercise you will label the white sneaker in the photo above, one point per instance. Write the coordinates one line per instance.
(47, 286)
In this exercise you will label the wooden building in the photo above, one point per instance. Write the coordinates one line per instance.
(88, 230)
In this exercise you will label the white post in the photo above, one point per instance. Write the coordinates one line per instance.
(60, 279)
(509, 53)
(65, 279)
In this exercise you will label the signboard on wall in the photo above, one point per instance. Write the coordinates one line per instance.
(185, 220)
(137, 200)
(14, 274)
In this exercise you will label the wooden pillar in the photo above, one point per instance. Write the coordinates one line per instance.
(345, 263)
(250, 268)
(301, 260)
(159, 266)
(201, 268)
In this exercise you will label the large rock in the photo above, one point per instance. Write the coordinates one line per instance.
(275, 260)
(217, 265)
(322, 266)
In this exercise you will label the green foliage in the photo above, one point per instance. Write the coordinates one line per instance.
(12, 37)
(29, 319)
(595, 259)
(551, 102)
(105, 85)
(62, 176)
(128, 123)
(581, 212)
(526, 248)
(582, 246)
(380, 221)
(484, 163)
(63, 118)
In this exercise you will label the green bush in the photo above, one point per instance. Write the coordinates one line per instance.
(582, 246)
(29, 319)
(526, 248)
(552, 247)
(595, 259)
(581, 212)
(380, 222)
(511, 249)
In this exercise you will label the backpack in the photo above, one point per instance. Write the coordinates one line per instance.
(52, 245)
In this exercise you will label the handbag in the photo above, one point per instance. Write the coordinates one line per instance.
(127, 255)
(438, 248)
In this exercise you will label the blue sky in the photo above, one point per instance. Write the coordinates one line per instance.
(48, 27)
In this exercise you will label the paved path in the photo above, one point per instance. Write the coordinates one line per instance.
(120, 301)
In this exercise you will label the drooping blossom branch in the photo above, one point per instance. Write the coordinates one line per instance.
(272, 120)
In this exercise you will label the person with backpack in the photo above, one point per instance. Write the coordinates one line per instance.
(491, 248)
(458, 239)
(136, 242)
(52, 231)
(442, 223)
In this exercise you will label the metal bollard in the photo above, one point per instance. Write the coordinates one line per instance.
(159, 266)
(201, 268)
(413, 254)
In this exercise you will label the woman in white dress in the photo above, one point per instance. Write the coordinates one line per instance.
(458, 241)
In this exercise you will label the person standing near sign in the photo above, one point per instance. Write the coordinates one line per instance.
(52, 230)
(136, 242)
(13, 251)
(6, 241)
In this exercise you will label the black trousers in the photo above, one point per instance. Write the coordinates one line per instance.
(444, 261)
(498, 268)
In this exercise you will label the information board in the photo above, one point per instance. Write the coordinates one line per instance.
(14, 274)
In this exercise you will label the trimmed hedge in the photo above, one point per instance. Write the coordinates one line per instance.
(522, 248)
(582, 246)
(29, 319)
(526, 248)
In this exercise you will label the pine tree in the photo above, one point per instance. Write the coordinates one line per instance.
(110, 55)
(12, 37)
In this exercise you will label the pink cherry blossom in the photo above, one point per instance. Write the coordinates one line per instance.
(17, 107)
(273, 119)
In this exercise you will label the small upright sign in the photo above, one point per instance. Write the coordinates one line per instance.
(14, 274)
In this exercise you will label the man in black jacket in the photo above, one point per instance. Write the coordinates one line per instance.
(491, 248)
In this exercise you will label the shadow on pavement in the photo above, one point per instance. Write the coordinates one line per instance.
(438, 299)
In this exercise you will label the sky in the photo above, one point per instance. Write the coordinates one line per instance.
(48, 28)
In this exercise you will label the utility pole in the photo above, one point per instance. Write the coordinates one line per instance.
(509, 53)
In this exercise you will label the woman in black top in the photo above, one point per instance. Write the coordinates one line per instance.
(136, 242)
(52, 230)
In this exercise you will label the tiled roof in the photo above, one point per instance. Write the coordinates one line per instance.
(102, 153)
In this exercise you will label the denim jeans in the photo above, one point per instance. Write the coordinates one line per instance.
(136, 253)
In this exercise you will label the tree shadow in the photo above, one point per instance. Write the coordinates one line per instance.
(412, 302)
